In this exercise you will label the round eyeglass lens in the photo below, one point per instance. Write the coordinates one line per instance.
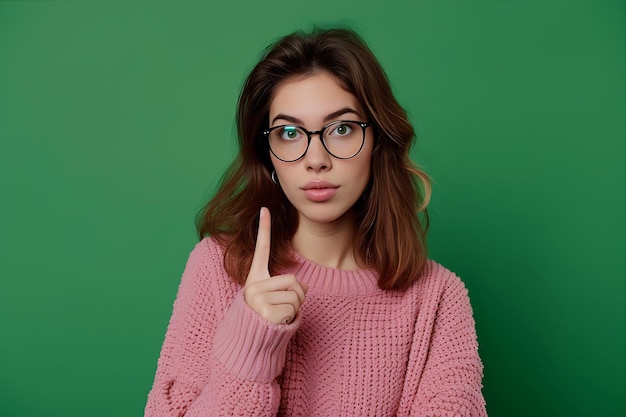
(344, 139)
(288, 142)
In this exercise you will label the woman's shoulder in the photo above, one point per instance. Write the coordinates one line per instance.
(436, 278)
(436, 270)
(205, 264)
(207, 250)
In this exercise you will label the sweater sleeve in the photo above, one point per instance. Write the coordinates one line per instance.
(451, 382)
(219, 357)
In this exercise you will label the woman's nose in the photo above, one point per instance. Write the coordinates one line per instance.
(317, 158)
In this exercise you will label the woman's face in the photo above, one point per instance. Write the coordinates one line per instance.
(321, 187)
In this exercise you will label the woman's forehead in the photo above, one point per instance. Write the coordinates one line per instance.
(315, 97)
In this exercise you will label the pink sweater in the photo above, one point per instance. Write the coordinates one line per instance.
(353, 349)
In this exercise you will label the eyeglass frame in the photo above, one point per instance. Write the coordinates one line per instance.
(320, 133)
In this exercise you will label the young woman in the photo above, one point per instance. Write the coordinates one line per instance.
(310, 292)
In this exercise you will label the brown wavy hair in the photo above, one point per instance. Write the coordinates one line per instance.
(391, 216)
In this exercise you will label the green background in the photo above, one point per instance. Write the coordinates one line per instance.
(116, 121)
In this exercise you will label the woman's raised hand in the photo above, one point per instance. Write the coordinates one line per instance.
(278, 298)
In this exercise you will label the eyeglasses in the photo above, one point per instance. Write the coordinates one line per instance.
(342, 139)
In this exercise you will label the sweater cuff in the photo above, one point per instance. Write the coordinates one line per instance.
(249, 346)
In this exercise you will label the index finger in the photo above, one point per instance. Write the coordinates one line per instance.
(261, 257)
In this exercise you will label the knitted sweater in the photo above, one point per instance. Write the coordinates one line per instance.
(352, 350)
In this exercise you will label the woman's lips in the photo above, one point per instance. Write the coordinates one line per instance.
(319, 191)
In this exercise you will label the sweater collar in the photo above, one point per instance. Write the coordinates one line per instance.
(325, 280)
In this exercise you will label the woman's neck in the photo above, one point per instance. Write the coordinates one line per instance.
(331, 244)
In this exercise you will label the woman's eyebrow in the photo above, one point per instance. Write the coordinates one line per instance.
(288, 118)
(338, 113)
(332, 116)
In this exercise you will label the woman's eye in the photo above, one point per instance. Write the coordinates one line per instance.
(342, 130)
(290, 133)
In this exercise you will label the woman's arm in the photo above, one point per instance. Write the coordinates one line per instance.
(451, 382)
(219, 357)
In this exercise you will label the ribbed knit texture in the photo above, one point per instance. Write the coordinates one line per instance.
(353, 349)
